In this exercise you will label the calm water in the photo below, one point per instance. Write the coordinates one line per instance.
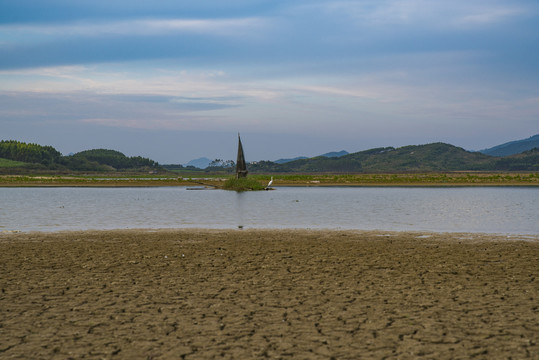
(493, 210)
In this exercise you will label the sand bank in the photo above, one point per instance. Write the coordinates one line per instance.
(202, 294)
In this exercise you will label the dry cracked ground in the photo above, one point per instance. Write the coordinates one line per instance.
(282, 294)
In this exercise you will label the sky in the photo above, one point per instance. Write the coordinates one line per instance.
(178, 80)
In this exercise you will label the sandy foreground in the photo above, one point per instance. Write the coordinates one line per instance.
(252, 294)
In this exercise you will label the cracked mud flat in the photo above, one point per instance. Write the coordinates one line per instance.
(251, 294)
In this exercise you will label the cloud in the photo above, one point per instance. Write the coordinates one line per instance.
(425, 13)
(422, 88)
(136, 27)
(120, 110)
(312, 34)
(487, 16)
(54, 11)
(331, 68)
(195, 41)
(179, 86)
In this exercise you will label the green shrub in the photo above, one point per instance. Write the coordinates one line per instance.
(242, 184)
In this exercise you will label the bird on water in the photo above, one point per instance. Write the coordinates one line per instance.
(269, 184)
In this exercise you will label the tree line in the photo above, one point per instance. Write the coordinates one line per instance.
(413, 158)
(90, 160)
(113, 159)
(29, 153)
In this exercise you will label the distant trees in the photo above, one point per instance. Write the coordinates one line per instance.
(222, 163)
(528, 160)
(265, 166)
(114, 159)
(89, 160)
(30, 153)
(429, 157)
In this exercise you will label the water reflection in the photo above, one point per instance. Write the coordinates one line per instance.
(240, 199)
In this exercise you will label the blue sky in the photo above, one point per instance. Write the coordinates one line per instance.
(176, 80)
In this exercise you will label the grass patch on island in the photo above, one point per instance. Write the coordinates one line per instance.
(6, 163)
(243, 184)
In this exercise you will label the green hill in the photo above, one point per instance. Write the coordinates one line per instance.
(526, 161)
(29, 153)
(19, 155)
(413, 158)
(436, 157)
(430, 157)
(112, 159)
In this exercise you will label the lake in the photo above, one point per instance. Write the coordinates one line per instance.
(508, 210)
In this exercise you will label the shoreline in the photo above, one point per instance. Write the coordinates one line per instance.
(459, 179)
(317, 294)
(479, 235)
(217, 184)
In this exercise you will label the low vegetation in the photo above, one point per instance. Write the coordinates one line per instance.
(243, 184)
(5, 163)
(404, 179)
(257, 181)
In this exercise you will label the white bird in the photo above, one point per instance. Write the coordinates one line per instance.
(271, 182)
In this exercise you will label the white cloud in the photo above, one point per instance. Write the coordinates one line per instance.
(138, 27)
(419, 13)
(340, 91)
(205, 83)
(486, 16)
(183, 122)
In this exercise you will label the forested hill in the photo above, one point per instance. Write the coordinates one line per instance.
(29, 153)
(438, 157)
(114, 159)
(33, 156)
(416, 158)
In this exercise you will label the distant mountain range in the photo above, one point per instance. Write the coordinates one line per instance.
(513, 147)
(413, 158)
(284, 161)
(200, 163)
(519, 155)
(204, 162)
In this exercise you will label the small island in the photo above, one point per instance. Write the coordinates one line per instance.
(241, 182)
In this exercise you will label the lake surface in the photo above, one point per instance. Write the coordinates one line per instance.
(507, 210)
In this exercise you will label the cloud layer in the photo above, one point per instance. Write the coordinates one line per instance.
(356, 73)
